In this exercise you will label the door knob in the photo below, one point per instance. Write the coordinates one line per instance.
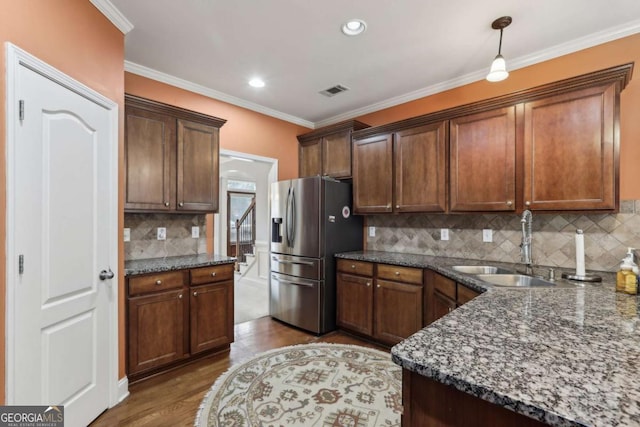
(166, 204)
(104, 274)
(195, 294)
(181, 204)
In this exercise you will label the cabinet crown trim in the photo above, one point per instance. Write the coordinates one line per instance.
(620, 74)
(177, 112)
(327, 130)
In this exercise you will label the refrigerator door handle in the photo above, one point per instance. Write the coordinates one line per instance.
(287, 218)
(289, 282)
(293, 217)
(281, 261)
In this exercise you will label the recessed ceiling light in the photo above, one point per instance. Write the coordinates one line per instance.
(256, 82)
(353, 27)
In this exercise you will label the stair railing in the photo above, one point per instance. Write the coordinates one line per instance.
(246, 232)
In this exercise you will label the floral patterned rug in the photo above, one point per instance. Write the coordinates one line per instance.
(307, 385)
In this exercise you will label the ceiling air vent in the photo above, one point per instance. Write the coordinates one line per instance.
(334, 90)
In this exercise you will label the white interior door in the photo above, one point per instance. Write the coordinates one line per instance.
(60, 197)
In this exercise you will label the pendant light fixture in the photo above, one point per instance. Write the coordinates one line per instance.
(498, 71)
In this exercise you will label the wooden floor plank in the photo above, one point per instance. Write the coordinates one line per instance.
(172, 399)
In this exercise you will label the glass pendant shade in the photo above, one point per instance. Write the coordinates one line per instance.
(498, 71)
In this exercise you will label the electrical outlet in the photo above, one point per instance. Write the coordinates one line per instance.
(195, 232)
(487, 235)
(127, 235)
(444, 234)
(372, 232)
(162, 233)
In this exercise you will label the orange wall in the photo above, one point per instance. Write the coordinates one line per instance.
(73, 36)
(596, 58)
(245, 131)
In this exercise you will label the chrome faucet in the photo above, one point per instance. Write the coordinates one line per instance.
(525, 245)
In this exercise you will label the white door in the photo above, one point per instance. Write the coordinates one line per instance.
(60, 206)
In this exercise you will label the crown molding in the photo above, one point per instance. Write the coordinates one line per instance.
(150, 73)
(572, 46)
(113, 14)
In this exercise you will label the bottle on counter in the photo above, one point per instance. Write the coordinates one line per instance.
(627, 277)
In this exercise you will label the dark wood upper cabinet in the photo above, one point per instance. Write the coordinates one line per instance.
(198, 170)
(483, 161)
(571, 150)
(420, 158)
(149, 154)
(327, 151)
(373, 174)
(171, 158)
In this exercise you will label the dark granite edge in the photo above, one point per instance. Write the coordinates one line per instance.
(160, 265)
(530, 410)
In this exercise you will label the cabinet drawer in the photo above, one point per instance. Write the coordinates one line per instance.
(400, 274)
(466, 294)
(156, 282)
(355, 267)
(216, 273)
(445, 286)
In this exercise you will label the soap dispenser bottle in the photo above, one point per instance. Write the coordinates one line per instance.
(627, 277)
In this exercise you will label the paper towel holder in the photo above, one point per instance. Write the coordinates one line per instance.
(581, 277)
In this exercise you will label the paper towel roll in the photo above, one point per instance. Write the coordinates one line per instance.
(580, 271)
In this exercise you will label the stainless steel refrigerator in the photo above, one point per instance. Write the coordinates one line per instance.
(311, 220)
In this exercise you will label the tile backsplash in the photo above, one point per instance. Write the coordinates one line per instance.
(144, 243)
(606, 236)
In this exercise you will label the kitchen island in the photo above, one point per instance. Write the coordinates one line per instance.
(564, 357)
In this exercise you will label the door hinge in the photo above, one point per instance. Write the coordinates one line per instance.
(20, 264)
(21, 109)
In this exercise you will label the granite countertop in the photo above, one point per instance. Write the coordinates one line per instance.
(158, 265)
(567, 357)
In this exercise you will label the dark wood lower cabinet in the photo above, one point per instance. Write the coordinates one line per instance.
(444, 295)
(164, 315)
(429, 403)
(355, 303)
(398, 308)
(441, 306)
(176, 316)
(211, 323)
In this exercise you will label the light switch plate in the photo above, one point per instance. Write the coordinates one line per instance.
(195, 232)
(162, 233)
(127, 235)
(372, 232)
(487, 235)
(444, 234)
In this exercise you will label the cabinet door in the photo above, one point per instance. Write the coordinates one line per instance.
(149, 173)
(570, 150)
(373, 174)
(398, 311)
(336, 155)
(355, 303)
(420, 168)
(156, 330)
(440, 306)
(197, 167)
(211, 313)
(310, 158)
(482, 161)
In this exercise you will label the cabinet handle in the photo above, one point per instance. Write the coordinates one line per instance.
(353, 266)
(368, 284)
(528, 203)
(449, 309)
(195, 294)
(181, 204)
(388, 205)
(509, 203)
(397, 206)
(180, 296)
(213, 274)
(377, 286)
(166, 204)
(158, 282)
(397, 273)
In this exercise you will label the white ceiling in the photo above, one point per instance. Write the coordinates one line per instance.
(411, 48)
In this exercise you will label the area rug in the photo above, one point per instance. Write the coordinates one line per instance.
(307, 385)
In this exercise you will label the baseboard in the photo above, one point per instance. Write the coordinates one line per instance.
(123, 389)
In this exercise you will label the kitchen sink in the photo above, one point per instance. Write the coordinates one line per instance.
(480, 269)
(520, 281)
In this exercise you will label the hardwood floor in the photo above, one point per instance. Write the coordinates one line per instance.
(173, 398)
